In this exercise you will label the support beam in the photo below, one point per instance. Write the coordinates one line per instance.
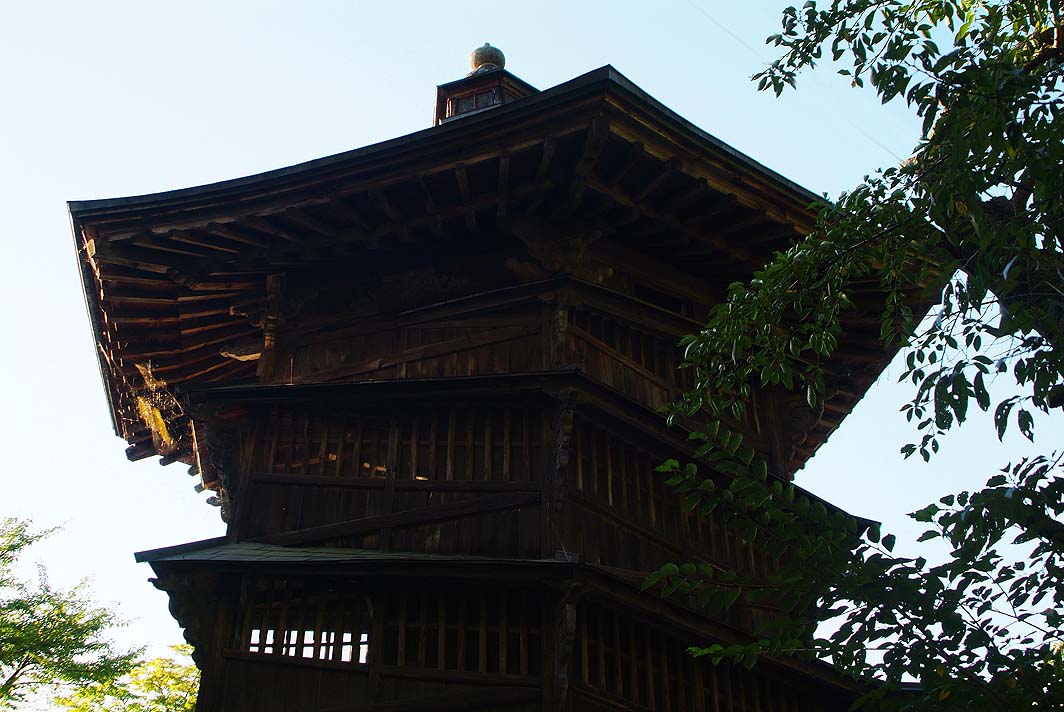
(503, 187)
(462, 176)
(416, 517)
(685, 228)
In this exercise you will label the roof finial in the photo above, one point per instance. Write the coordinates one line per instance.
(486, 59)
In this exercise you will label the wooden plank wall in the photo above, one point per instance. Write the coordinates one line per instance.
(464, 345)
(621, 663)
(626, 516)
(312, 468)
(644, 365)
(636, 362)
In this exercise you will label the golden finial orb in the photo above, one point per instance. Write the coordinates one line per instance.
(486, 59)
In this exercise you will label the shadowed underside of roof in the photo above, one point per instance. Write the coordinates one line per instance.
(176, 282)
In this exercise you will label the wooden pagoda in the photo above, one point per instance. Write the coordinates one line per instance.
(422, 380)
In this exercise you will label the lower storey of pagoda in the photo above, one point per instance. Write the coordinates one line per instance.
(278, 629)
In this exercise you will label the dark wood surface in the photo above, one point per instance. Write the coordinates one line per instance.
(457, 344)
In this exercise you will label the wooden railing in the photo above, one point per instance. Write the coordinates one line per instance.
(626, 516)
(488, 630)
(619, 663)
(447, 479)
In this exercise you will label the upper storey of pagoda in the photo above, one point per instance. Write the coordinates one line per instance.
(487, 86)
(590, 196)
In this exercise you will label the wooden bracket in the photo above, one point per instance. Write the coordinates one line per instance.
(271, 321)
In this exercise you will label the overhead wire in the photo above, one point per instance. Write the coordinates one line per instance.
(753, 51)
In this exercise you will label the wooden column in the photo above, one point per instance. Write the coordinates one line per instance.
(555, 485)
(559, 634)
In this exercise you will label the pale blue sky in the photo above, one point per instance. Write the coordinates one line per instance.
(110, 99)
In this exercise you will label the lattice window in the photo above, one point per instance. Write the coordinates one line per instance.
(486, 630)
(443, 443)
(280, 622)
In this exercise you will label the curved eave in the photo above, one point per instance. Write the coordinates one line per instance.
(761, 200)
(602, 80)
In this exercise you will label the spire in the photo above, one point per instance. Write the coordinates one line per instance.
(486, 86)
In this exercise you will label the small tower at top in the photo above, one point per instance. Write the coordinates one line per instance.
(487, 86)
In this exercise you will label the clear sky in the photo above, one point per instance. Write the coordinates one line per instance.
(110, 99)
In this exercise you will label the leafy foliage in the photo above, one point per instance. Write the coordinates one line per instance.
(157, 685)
(48, 636)
(970, 226)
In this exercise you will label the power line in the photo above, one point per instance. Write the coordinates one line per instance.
(750, 48)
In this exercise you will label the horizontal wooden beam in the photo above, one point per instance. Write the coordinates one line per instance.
(490, 698)
(417, 353)
(471, 486)
(419, 516)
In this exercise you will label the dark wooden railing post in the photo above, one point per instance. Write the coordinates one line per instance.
(554, 510)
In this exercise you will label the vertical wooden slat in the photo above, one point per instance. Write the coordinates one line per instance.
(320, 649)
(470, 440)
(651, 490)
(483, 652)
(618, 663)
(648, 651)
(422, 630)
(434, 435)
(288, 427)
(699, 691)
(609, 471)
(341, 447)
(390, 473)
(504, 633)
(682, 684)
(323, 448)
(376, 644)
(637, 486)
(524, 633)
(526, 444)
(357, 456)
(487, 475)
(633, 660)
(401, 651)
(252, 615)
(666, 681)
(506, 445)
(450, 445)
(578, 446)
(461, 633)
(336, 628)
(280, 638)
(304, 615)
(307, 430)
(585, 658)
(415, 443)
(600, 641)
(372, 453)
(715, 687)
(271, 456)
(441, 638)
(594, 436)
